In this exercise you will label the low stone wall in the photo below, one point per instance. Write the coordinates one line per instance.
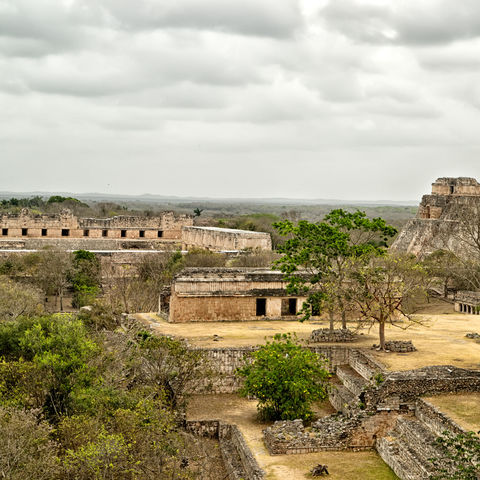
(400, 390)
(398, 346)
(325, 335)
(335, 432)
(239, 460)
(226, 360)
(434, 419)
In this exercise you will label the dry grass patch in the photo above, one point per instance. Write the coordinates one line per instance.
(243, 412)
(462, 408)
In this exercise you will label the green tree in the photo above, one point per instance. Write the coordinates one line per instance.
(85, 278)
(316, 256)
(285, 378)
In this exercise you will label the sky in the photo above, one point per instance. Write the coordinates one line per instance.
(344, 99)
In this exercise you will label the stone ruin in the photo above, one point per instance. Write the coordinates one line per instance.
(325, 335)
(437, 224)
(398, 346)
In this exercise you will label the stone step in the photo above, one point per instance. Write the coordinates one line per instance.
(408, 449)
(418, 437)
(363, 365)
(351, 379)
(342, 399)
(401, 459)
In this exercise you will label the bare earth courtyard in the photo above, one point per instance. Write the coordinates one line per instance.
(439, 339)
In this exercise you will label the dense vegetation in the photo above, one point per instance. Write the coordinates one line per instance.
(76, 403)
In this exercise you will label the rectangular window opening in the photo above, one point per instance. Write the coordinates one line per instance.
(4, 231)
(141, 233)
(44, 232)
(123, 233)
(104, 233)
(24, 232)
(261, 309)
(160, 234)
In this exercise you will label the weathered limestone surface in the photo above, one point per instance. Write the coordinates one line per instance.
(239, 460)
(65, 224)
(436, 225)
(230, 294)
(216, 239)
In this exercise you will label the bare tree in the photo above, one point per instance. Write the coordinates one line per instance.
(386, 290)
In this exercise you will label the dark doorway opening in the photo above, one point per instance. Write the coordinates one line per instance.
(123, 233)
(4, 231)
(86, 233)
(104, 233)
(24, 232)
(261, 307)
(160, 233)
(44, 232)
(141, 233)
(292, 306)
(452, 189)
(65, 232)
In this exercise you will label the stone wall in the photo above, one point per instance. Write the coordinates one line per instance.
(335, 432)
(219, 239)
(225, 361)
(434, 419)
(239, 460)
(66, 225)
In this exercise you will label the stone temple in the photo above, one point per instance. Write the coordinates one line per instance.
(444, 219)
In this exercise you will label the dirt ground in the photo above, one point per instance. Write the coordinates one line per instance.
(462, 408)
(439, 338)
(342, 465)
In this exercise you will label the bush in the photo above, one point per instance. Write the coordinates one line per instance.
(286, 379)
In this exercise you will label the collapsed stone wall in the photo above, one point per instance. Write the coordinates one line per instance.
(325, 335)
(238, 459)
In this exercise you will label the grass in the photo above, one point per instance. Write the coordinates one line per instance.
(462, 408)
(242, 412)
(439, 339)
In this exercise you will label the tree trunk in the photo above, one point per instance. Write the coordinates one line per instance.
(381, 330)
(332, 320)
(344, 319)
(61, 301)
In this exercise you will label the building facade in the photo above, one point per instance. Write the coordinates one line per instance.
(231, 294)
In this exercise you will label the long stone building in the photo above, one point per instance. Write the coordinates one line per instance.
(444, 220)
(231, 294)
(166, 231)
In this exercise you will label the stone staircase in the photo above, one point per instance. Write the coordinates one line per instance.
(351, 380)
(408, 449)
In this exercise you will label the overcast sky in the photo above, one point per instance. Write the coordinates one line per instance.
(352, 99)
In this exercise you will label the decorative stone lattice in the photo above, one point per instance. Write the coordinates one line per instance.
(325, 335)
(399, 346)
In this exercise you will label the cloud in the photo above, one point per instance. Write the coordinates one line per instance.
(426, 22)
(265, 18)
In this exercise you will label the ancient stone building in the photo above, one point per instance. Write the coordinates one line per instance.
(166, 231)
(442, 217)
(218, 239)
(66, 225)
(467, 302)
(231, 294)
